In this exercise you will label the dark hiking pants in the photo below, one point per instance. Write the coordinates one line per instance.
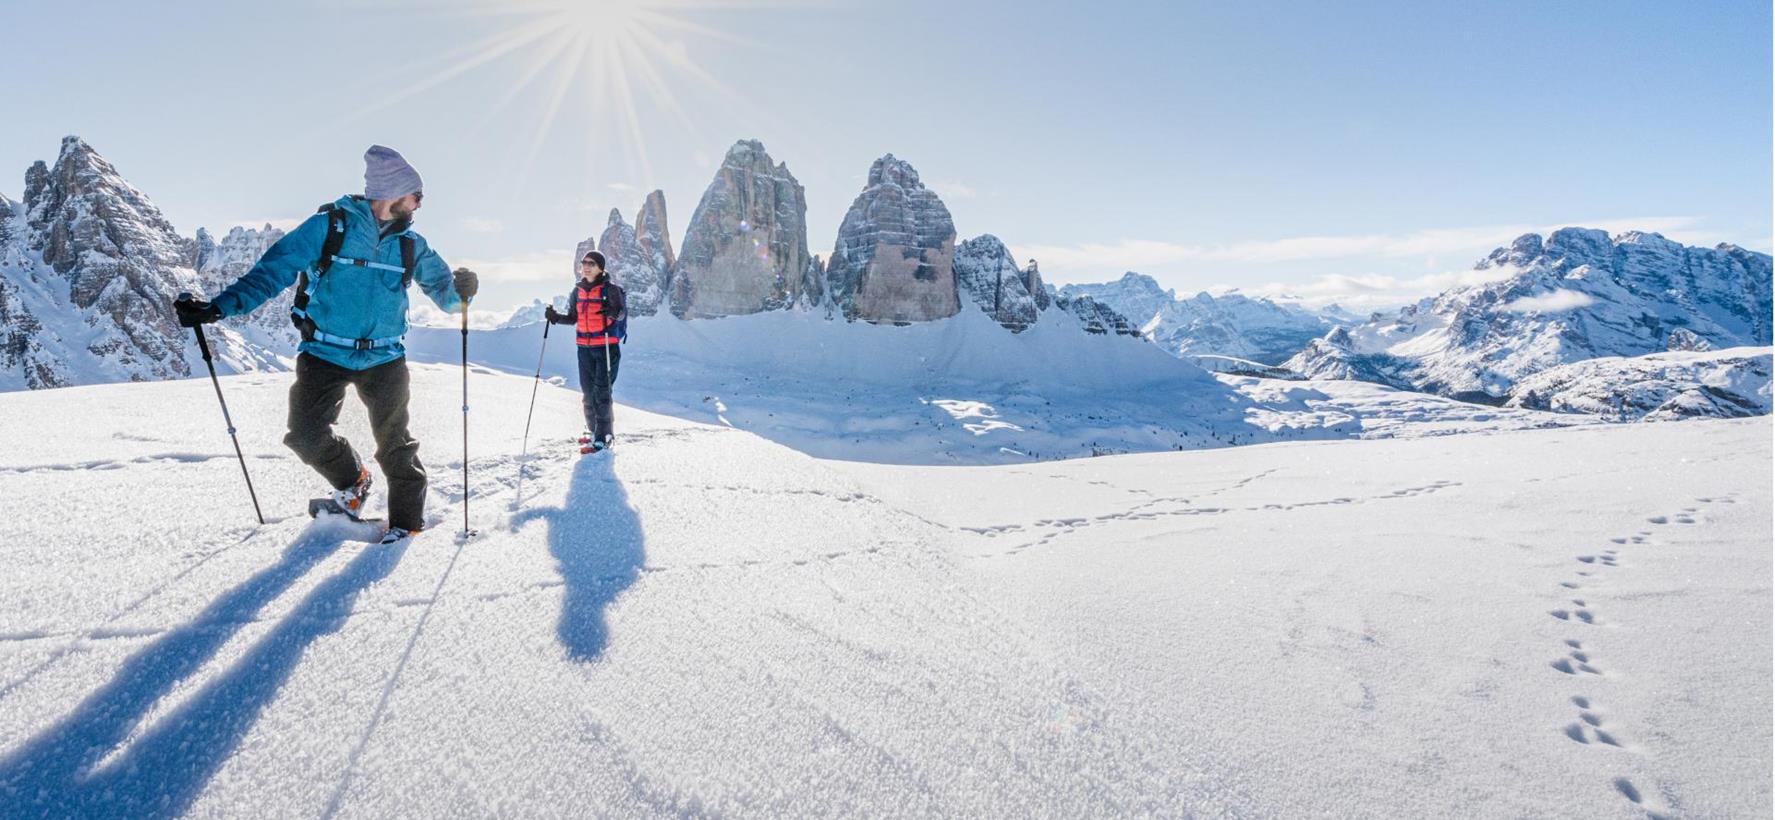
(595, 381)
(315, 401)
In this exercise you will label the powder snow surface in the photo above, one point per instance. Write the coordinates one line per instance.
(1569, 622)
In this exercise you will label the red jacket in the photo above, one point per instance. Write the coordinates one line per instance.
(598, 311)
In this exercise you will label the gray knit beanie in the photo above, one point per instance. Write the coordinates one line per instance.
(387, 174)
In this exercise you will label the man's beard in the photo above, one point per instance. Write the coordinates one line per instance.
(400, 212)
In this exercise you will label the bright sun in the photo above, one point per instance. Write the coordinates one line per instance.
(602, 54)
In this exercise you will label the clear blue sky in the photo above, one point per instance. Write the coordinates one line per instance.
(1360, 151)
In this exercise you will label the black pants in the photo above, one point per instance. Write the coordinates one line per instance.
(315, 401)
(595, 381)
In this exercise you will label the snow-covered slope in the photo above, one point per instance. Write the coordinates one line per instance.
(1231, 324)
(1576, 295)
(705, 623)
(1656, 387)
(962, 390)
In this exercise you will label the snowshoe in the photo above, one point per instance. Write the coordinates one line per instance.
(590, 445)
(348, 502)
(395, 535)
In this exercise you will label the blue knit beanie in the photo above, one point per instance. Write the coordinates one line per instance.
(387, 174)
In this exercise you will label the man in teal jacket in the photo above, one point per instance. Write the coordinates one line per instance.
(351, 307)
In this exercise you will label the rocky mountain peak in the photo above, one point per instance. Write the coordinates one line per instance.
(987, 273)
(632, 266)
(746, 247)
(890, 170)
(894, 258)
(652, 232)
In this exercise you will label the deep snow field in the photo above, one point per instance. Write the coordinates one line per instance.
(964, 390)
(1504, 623)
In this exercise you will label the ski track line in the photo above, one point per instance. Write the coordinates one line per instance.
(344, 786)
(1057, 527)
(99, 633)
(118, 464)
(1577, 662)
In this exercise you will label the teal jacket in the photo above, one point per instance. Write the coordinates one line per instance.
(349, 301)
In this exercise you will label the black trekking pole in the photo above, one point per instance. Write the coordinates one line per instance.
(203, 345)
(466, 532)
(528, 413)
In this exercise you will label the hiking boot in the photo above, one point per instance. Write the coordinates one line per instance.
(351, 500)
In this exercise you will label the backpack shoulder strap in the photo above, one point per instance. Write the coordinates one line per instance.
(409, 250)
(329, 248)
(335, 240)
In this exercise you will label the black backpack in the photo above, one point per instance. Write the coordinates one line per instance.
(329, 253)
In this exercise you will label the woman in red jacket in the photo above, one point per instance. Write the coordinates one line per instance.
(599, 311)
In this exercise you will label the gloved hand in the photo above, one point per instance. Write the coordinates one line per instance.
(467, 283)
(552, 315)
(194, 312)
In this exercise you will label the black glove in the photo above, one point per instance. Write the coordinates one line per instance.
(194, 312)
(553, 317)
(467, 283)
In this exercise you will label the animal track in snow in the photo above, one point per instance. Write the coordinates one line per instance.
(1589, 727)
(1580, 614)
(1577, 661)
(1645, 801)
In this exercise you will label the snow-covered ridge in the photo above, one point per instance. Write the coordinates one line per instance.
(1575, 295)
(964, 391)
(1230, 324)
(88, 270)
(1726, 383)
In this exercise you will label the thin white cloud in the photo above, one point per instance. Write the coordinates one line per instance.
(620, 186)
(1550, 302)
(554, 265)
(1139, 254)
(481, 224)
(1371, 291)
(425, 314)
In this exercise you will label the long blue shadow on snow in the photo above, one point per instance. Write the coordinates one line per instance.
(596, 539)
(160, 774)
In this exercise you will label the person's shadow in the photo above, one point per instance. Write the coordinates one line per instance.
(63, 771)
(596, 539)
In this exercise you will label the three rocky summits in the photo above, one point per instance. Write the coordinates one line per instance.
(895, 259)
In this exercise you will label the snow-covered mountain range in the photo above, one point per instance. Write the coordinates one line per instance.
(88, 270)
(1231, 324)
(1575, 295)
(88, 266)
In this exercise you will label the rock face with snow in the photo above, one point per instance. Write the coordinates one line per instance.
(985, 271)
(631, 265)
(120, 258)
(746, 248)
(655, 235)
(585, 246)
(88, 271)
(1656, 387)
(1232, 324)
(1578, 294)
(218, 264)
(894, 260)
(1095, 316)
(1032, 282)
